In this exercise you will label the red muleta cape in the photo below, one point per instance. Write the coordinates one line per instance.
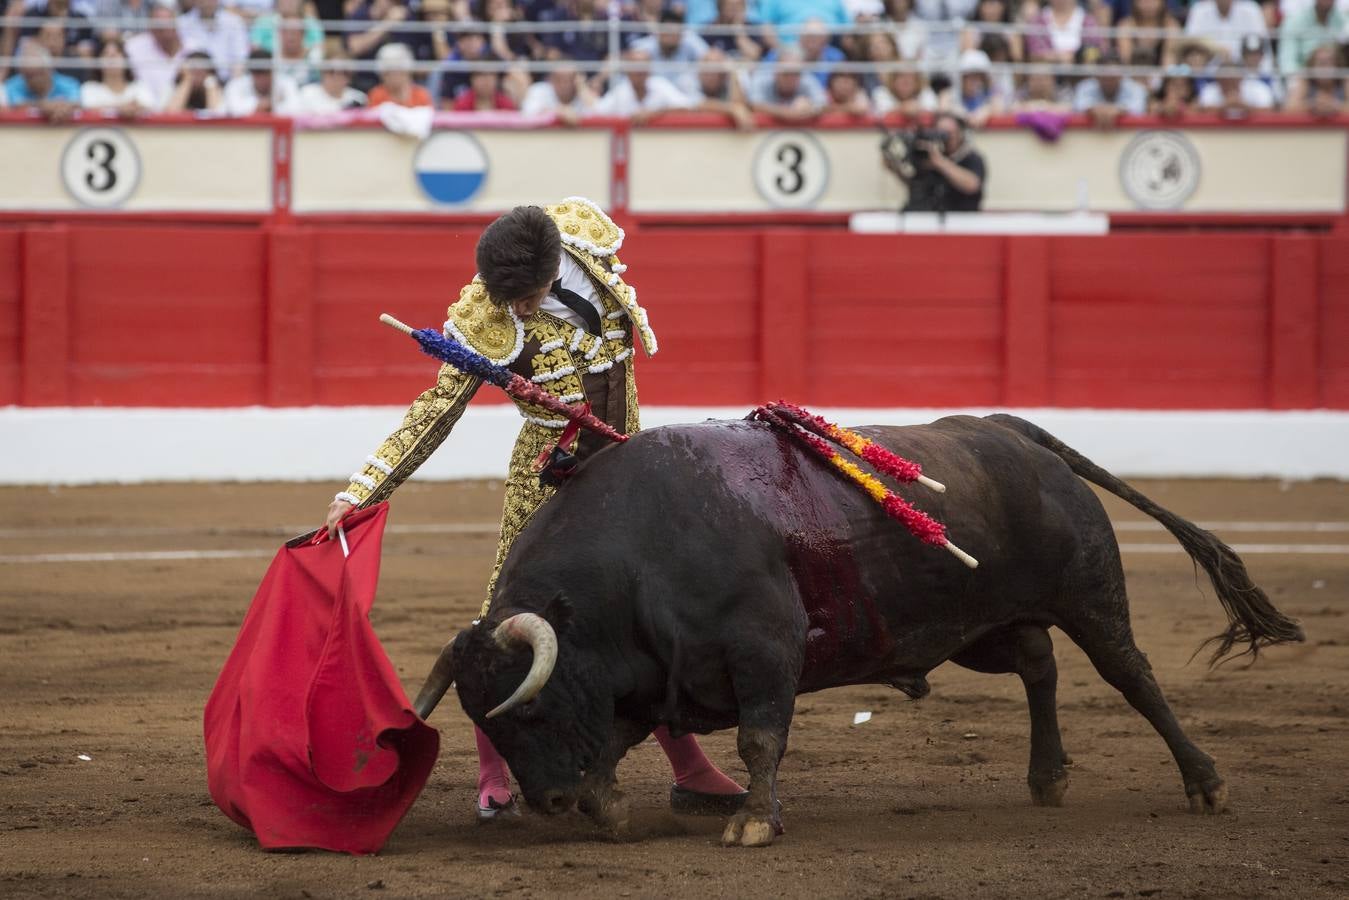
(310, 739)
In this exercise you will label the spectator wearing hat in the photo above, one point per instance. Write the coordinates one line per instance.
(1175, 95)
(641, 94)
(332, 92)
(1108, 96)
(1223, 23)
(219, 32)
(394, 62)
(251, 93)
(973, 97)
(564, 94)
(746, 42)
(1315, 93)
(484, 92)
(674, 51)
(905, 93)
(1320, 23)
(1148, 48)
(1060, 31)
(783, 90)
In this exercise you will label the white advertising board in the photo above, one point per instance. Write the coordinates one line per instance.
(124, 167)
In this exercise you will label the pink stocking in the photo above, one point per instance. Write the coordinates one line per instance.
(494, 779)
(692, 769)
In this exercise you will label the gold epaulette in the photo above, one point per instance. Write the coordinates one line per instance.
(593, 240)
(491, 329)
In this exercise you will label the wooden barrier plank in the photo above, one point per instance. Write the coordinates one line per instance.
(1294, 298)
(45, 312)
(1025, 376)
(290, 316)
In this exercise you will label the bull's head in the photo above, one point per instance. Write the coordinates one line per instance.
(544, 703)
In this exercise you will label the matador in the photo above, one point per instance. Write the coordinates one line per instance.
(550, 303)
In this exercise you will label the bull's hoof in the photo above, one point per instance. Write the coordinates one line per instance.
(609, 812)
(695, 803)
(746, 830)
(1207, 797)
(1048, 793)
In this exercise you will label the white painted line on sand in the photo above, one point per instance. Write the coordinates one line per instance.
(188, 555)
(1249, 527)
(1246, 549)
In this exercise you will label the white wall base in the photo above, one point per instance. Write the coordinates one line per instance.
(92, 445)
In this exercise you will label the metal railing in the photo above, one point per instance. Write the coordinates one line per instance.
(617, 30)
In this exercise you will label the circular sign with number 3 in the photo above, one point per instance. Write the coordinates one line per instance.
(791, 169)
(100, 167)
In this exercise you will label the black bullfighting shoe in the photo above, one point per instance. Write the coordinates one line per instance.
(494, 809)
(696, 803)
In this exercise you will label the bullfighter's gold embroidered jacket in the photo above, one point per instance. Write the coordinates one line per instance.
(565, 360)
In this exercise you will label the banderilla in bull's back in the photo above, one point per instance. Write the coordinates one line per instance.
(698, 602)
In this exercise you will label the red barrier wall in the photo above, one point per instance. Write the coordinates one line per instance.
(144, 315)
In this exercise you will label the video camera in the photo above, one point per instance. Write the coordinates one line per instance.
(908, 148)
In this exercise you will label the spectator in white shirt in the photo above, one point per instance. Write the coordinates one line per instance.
(905, 93)
(910, 32)
(257, 92)
(1236, 95)
(219, 32)
(331, 93)
(156, 54)
(721, 88)
(564, 93)
(640, 95)
(1224, 23)
(111, 89)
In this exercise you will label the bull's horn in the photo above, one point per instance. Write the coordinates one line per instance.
(437, 683)
(534, 630)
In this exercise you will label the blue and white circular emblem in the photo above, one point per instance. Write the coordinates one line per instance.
(451, 167)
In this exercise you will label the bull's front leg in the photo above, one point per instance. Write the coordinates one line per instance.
(599, 797)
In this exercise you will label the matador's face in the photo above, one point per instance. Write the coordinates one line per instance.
(528, 305)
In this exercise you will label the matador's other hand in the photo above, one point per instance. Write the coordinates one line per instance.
(337, 510)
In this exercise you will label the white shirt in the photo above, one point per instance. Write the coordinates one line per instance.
(573, 278)
(1068, 38)
(154, 69)
(225, 38)
(241, 98)
(314, 100)
(883, 101)
(541, 99)
(97, 95)
(1254, 93)
(621, 100)
(1242, 19)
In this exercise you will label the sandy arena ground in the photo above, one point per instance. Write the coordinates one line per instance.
(114, 659)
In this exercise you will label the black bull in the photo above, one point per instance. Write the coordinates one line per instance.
(702, 576)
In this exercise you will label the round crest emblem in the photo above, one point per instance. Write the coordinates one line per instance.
(1159, 170)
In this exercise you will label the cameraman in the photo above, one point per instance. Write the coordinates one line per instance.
(943, 172)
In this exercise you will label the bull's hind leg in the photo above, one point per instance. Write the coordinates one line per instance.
(766, 693)
(1028, 651)
(1109, 644)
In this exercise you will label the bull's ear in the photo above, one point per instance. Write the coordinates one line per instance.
(558, 612)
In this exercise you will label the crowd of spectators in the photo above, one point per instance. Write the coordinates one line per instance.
(784, 58)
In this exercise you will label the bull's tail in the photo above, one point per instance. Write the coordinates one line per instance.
(1253, 619)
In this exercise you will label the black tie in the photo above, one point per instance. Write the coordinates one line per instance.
(579, 305)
